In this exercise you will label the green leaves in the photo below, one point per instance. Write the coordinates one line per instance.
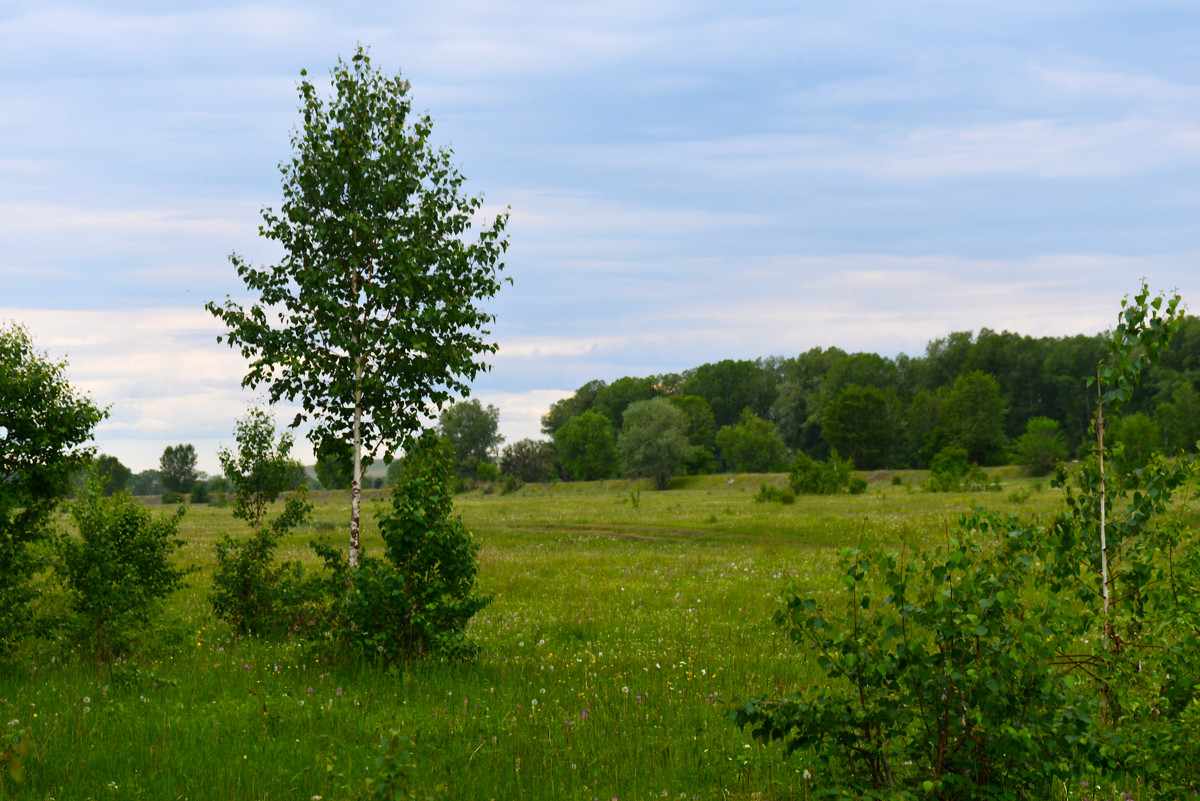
(376, 312)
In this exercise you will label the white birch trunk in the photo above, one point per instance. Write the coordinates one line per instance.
(356, 483)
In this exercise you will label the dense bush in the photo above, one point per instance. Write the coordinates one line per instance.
(810, 476)
(421, 597)
(44, 425)
(940, 673)
(117, 570)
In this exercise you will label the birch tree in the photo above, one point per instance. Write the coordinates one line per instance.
(375, 315)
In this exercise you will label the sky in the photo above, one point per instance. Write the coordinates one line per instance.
(687, 181)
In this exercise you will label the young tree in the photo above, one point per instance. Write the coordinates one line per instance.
(44, 427)
(653, 441)
(474, 432)
(177, 468)
(1041, 447)
(375, 314)
(249, 590)
(421, 598)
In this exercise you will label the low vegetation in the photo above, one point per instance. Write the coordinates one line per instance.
(618, 637)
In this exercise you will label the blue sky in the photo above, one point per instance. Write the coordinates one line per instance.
(688, 182)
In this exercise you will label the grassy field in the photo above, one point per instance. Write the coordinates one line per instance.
(624, 621)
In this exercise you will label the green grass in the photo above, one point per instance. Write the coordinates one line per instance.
(624, 621)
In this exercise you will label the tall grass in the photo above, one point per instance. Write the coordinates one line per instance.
(618, 634)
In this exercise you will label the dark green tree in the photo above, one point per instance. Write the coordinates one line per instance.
(975, 417)
(752, 446)
(146, 482)
(473, 431)
(1179, 418)
(530, 460)
(615, 398)
(1041, 447)
(561, 411)
(376, 313)
(587, 447)
(45, 426)
(730, 386)
(177, 468)
(114, 475)
(701, 433)
(928, 431)
(653, 442)
(865, 424)
(335, 464)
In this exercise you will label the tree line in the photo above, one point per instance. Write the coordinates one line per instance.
(998, 397)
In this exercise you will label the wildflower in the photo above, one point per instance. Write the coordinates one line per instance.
(625, 690)
(339, 692)
(87, 699)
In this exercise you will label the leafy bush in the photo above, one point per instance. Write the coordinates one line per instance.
(117, 570)
(940, 674)
(171, 497)
(948, 470)
(199, 493)
(769, 493)
(44, 425)
(1040, 448)
(249, 590)
(486, 471)
(420, 599)
(813, 477)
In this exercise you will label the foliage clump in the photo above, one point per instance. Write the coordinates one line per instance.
(117, 570)
(810, 476)
(941, 674)
(420, 598)
(250, 591)
(44, 427)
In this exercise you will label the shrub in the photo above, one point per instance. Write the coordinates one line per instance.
(1040, 448)
(812, 477)
(940, 675)
(420, 599)
(199, 493)
(948, 469)
(769, 493)
(249, 591)
(171, 496)
(117, 570)
(486, 471)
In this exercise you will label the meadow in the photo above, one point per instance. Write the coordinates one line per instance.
(624, 623)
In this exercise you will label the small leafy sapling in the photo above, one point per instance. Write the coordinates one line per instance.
(250, 591)
(117, 570)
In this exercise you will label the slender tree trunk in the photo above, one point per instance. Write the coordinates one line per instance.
(356, 483)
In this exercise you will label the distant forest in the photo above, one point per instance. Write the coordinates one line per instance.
(975, 392)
